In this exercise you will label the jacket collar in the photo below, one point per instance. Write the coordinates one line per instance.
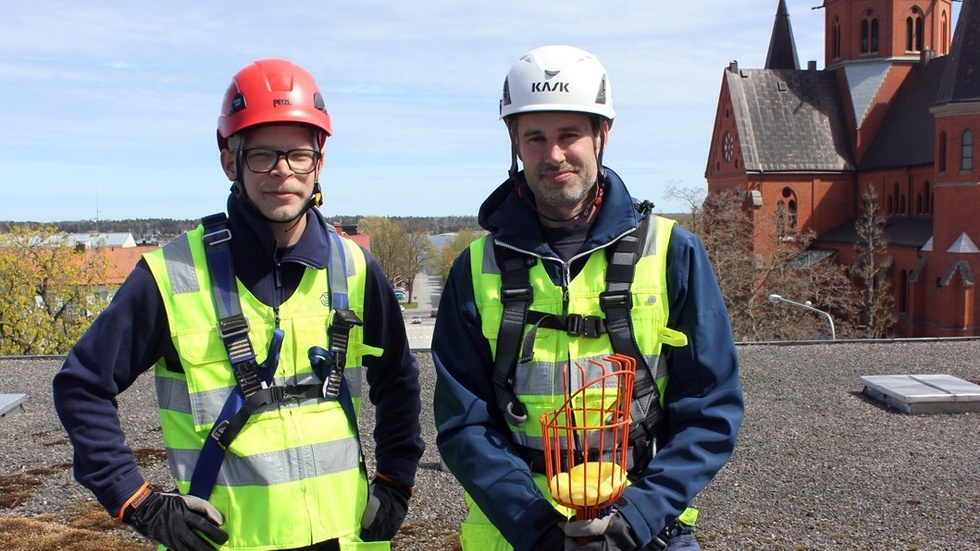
(254, 240)
(513, 221)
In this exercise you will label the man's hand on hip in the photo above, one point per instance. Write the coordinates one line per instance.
(179, 522)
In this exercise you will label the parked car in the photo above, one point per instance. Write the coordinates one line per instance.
(416, 320)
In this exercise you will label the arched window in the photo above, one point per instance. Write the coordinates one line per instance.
(835, 38)
(865, 36)
(780, 219)
(918, 204)
(927, 208)
(869, 33)
(901, 204)
(914, 31)
(944, 32)
(791, 213)
(966, 158)
(874, 35)
(942, 151)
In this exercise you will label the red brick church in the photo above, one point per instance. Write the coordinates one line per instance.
(897, 107)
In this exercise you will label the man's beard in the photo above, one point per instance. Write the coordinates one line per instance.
(564, 197)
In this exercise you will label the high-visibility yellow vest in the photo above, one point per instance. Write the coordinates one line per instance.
(539, 384)
(294, 475)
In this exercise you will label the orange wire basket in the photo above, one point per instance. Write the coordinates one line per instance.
(587, 439)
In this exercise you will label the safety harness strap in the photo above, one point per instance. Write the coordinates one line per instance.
(615, 302)
(515, 294)
(255, 381)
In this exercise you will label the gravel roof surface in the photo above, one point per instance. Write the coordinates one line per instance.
(818, 465)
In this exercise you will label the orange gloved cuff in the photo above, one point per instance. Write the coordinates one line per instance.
(135, 500)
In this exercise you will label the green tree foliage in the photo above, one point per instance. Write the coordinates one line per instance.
(416, 255)
(49, 291)
(443, 260)
(388, 242)
(402, 249)
(874, 298)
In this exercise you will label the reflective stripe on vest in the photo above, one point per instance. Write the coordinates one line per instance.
(539, 383)
(293, 475)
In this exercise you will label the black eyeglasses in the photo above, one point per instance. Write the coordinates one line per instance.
(262, 160)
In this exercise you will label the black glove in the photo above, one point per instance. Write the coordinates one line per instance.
(174, 520)
(386, 509)
(609, 533)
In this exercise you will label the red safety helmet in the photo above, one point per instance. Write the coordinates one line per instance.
(272, 91)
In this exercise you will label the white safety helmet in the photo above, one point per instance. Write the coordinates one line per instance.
(557, 78)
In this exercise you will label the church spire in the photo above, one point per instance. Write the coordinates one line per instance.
(961, 81)
(782, 47)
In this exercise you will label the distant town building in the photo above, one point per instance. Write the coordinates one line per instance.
(350, 231)
(96, 239)
(897, 108)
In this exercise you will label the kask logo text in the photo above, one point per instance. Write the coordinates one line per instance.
(549, 87)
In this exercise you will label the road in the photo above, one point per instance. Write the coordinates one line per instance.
(427, 292)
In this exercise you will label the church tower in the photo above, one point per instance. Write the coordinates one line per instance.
(862, 31)
(872, 46)
(952, 255)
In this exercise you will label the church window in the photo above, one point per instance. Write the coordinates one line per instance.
(966, 163)
(869, 34)
(944, 32)
(914, 31)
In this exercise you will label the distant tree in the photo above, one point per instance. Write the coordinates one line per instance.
(443, 260)
(693, 200)
(417, 254)
(726, 233)
(874, 299)
(388, 243)
(49, 291)
(747, 277)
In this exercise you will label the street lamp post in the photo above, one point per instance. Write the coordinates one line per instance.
(777, 298)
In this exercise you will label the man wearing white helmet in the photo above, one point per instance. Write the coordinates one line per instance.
(574, 270)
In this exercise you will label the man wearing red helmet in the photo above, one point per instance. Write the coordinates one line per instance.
(259, 326)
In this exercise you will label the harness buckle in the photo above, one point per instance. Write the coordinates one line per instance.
(614, 299)
(509, 294)
(232, 326)
(345, 319)
(216, 237)
(573, 325)
(591, 327)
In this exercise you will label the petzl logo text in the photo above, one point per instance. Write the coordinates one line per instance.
(278, 102)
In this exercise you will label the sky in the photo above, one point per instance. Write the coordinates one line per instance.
(108, 109)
